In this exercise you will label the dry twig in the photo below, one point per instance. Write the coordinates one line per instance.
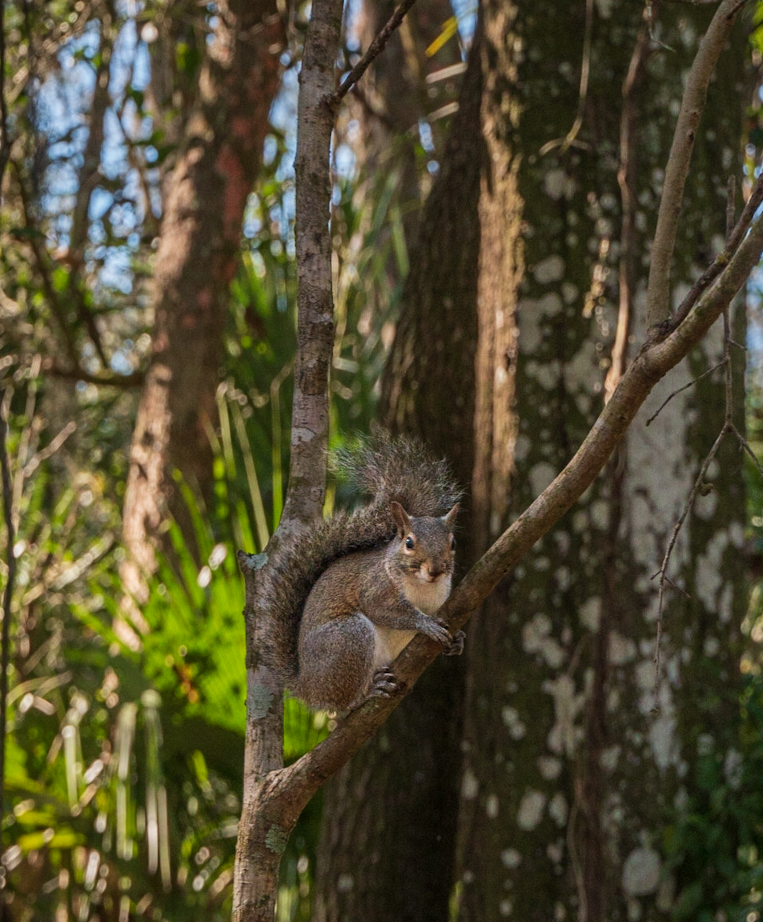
(374, 50)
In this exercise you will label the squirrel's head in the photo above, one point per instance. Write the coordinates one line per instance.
(425, 546)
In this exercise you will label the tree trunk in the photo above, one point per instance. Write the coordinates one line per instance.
(197, 257)
(396, 95)
(569, 779)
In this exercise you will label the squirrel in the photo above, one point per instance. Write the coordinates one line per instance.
(350, 592)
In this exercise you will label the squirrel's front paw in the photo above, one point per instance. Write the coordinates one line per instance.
(456, 646)
(436, 629)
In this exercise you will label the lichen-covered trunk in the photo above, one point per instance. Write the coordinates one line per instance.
(570, 777)
(197, 255)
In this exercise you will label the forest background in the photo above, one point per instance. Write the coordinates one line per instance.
(495, 185)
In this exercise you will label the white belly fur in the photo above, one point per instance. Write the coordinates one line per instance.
(427, 597)
(389, 643)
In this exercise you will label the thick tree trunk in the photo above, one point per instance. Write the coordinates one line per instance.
(569, 778)
(397, 94)
(196, 259)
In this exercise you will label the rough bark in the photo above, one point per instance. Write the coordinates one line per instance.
(568, 778)
(265, 821)
(197, 256)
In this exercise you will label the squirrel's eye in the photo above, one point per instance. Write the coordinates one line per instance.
(409, 543)
(452, 543)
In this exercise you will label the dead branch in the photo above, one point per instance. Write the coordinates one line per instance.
(626, 180)
(585, 68)
(681, 389)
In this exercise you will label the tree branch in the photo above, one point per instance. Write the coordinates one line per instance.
(285, 793)
(136, 379)
(5, 143)
(732, 242)
(374, 50)
(262, 837)
(692, 106)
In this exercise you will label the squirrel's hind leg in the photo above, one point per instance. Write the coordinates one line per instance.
(336, 662)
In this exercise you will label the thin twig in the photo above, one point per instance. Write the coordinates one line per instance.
(41, 259)
(721, 260)
(727, 428)
(681, 389)
(5, 643)
(666, 560)
(626, 180)
(374, 50)
(585, 69)
(746, 446)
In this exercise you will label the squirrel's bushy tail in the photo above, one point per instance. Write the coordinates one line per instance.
(389, 469)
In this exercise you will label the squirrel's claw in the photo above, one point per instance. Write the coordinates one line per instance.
(436, 630)
(456, 646)
(384, 684)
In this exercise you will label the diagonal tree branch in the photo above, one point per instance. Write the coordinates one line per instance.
(692, 107)
(284, 793)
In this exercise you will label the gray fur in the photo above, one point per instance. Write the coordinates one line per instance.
(390, 469)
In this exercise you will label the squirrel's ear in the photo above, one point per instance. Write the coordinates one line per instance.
(450, 518)
(401, 518)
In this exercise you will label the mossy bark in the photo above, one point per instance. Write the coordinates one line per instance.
(569, 778)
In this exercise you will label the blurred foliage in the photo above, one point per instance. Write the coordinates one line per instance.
(716, 845)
